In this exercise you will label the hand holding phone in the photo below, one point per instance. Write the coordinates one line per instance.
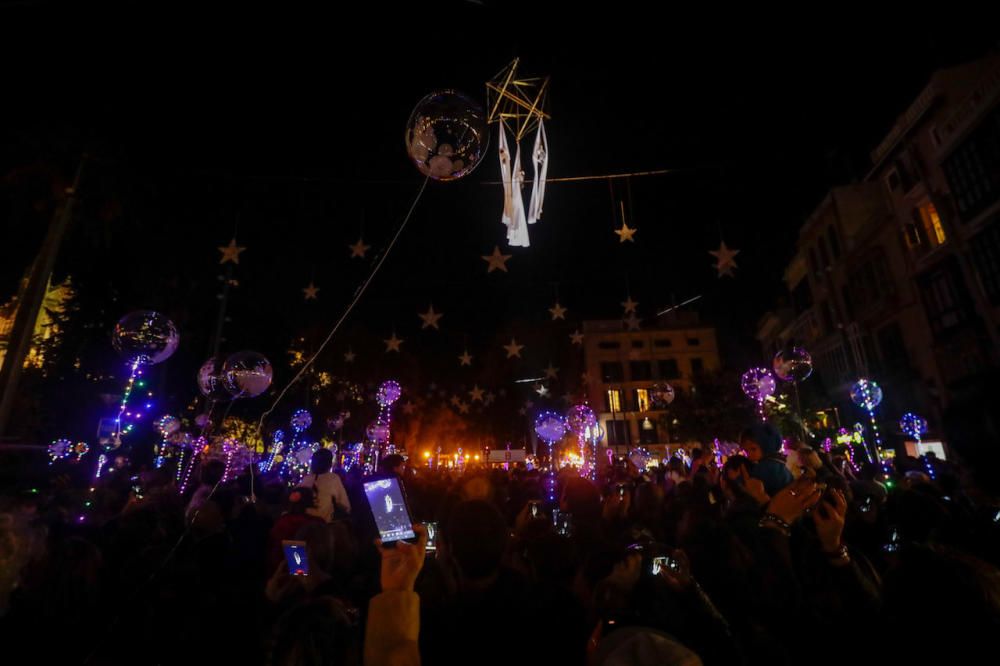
(392, 515)
(296, 557)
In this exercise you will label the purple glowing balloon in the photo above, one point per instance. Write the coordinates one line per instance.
(580, 418)
(550, 426)
(377, 432)
(758, 384)
(301, 420)
(388, 393)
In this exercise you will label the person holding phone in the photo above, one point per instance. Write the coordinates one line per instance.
(328, 490)
(394, 615)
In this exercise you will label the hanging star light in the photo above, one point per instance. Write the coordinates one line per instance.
(576, 337)
(497, 261)
(359, 249)
(629, 305)
(513, 349)
(558, 311)
(541, 390)
(231, 252)
(632, 322)
(476, 393)
(349, 356)
(551, 372)
(625, 233)
(430, 318)
(725, 259)
(465, 358)
(392, 344)
(310, 292)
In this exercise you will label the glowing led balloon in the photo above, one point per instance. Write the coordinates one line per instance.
(60, 449)
(758, 384)
(388, 393)
(336, 422)
(210, 380)
(662, 395)
(378, 432)
(201, 420)
(246, 374)
(913, 425)
(580, 419)
(301, 420)
(866, 393)
(168, 425)
(447, 135)
(145, 337)
(550, 426)
(793, 364)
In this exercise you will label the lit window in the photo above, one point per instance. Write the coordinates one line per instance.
(642, 399)
(614, 400)
(933, 230)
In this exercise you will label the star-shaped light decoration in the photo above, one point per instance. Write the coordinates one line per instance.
(463, 407)
(725, 259)
(408, 408)
(490, 397)
(455, 400)
(430, 318)
(349, 356)
(541, 390)
(629, 305)
(551, 372)
(311, 292)
(513, 349)
(558, 311)
(625, 234)
(359, 249)
(231, 253)
(576, 337)
(476, 393)
(522, 411)
(632, 322)
(392, 344)
(465, 358)
(529, 405)
(497, 261)
(585, 378)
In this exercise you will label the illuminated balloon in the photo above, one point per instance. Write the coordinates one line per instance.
(377, 432)
(580, 419)
(388, 393)
(201, 420)
(551, 427)
(913, 425)
(662, 395)
(793, 364)
(866, 393)
(301, 420)
(246, 374)
(758, 384)
(210, 380)
(145, 337)
(447, 135)
(168, 425)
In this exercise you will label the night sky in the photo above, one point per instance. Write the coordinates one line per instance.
(290, 136)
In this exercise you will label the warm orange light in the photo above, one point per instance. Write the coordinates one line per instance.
(477, 456)
(427, 454)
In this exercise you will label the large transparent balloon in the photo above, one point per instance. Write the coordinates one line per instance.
(388, 393)
(210, 380)
(447, 135)
(247, 374)
(301, 419)
(913, 425)
(580, 419)
(168, 425)
(551, 427)
(145, 337)
(378, 432)
(793, 364)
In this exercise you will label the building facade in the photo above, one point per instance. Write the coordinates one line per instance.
(623, 368)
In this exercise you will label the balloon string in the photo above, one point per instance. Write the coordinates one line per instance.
(350, 307)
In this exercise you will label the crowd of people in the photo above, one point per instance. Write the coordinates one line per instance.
(765, 559)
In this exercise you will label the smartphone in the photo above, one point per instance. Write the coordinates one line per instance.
(996, 518)
(535, 509)
(893, 544)
(392, 515)
(564, 524)
(866, 506)
(432, 529)
(296, 558)
(137, 487)
(664, 562)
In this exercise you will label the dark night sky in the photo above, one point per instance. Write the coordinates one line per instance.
(292, 132)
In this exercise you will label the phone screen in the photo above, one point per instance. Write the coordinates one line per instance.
(534, 509)
(866, 506)
(432, 530)
(392, 518)
(564, 524)
(295, 556)
(621, 492)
